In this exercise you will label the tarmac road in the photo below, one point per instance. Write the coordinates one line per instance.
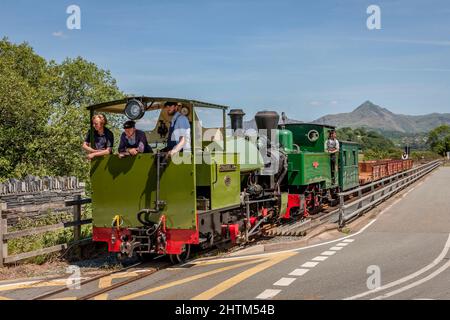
(403, 253)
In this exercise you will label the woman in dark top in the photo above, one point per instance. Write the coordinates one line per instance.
(103, 138)
(132, 141)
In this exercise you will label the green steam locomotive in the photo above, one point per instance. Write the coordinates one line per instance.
(231, 184)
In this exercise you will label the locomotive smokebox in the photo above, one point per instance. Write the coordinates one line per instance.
(237, 119)
(267, 120)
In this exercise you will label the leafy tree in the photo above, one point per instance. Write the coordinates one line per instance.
(24, 112)
(439, 139)
(43, 116)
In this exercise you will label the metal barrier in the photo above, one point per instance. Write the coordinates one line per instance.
(389, 186)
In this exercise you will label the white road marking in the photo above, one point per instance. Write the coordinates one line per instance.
(268, 294)
(298, 272)
(409, 277)
(309, 264)
(336, 248)
(342, 244)
(416, 283)
(284, 282)
(328, 253)
(320, 258)
(349, 240)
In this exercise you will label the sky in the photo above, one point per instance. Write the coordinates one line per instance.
(306, 58)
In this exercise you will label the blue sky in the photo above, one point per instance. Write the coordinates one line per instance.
(307, 58)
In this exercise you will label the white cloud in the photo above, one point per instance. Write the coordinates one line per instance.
(59, 34)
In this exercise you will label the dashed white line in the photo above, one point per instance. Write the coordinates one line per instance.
(298, 272)
(342, 244)
(284, 282)
(268, 294)
(320, 258)
(309, 264)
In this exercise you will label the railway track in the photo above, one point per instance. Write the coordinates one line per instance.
(85, 282)
(124, 283)
(155, 265)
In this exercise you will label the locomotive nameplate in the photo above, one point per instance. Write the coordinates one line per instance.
(227, 167)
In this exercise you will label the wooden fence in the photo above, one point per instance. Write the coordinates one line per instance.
(76, 224)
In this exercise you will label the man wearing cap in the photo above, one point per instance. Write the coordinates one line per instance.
(132, 141)
(179, 137)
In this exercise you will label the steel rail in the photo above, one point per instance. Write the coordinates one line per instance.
(84, 282)
(123, 283)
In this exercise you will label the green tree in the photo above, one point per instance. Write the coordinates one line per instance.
(43, 111)
(439, 139)
(24, 110)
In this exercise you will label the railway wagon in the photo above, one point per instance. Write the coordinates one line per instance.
(370, 171)
(225, 190)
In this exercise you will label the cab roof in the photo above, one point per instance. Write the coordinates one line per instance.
(152, 103)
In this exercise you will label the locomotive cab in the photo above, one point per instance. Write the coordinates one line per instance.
(149, 204)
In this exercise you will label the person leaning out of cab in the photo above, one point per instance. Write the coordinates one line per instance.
(103, 138)
(133, 141)
(179, 137)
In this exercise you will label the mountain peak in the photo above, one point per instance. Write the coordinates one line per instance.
(370, 115)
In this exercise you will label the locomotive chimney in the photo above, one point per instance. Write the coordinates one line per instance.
(237, 117)
(267, 120)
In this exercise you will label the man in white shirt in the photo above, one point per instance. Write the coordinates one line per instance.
(332, 148)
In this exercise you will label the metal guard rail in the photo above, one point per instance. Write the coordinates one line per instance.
(364, 203)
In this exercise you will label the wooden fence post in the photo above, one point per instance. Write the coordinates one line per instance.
(77, 228)
(3, 231)
(77, 218)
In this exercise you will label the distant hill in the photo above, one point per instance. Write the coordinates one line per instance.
(369, 115)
